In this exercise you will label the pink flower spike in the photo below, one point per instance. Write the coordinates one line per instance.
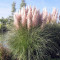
(28, 23)
(24, 21)
(16, 23)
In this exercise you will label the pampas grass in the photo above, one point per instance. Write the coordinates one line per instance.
(37, 43)
(29, 41)
(28, 45)
(19, 43)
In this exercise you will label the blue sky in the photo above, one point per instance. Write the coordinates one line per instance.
(5, 5)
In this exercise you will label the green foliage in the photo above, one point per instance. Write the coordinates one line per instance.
(52, 33)
(23, 4)
(3, 23)
(38, 46)
(27, 45)
(13, 7)
(19, 43)
(37, 43)
(0, 26)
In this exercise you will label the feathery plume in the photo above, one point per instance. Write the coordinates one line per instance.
(54, 15)
(49, 18)
(44, 16)
(16, 20)
(23, 21)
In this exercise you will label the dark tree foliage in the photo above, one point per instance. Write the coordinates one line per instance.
(13, 7)
(3, 23)
(23, 4)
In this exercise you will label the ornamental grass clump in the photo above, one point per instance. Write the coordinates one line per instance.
(19, 44)
(36, 43)
(30, 42)
(51, 33)
(28, 45)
